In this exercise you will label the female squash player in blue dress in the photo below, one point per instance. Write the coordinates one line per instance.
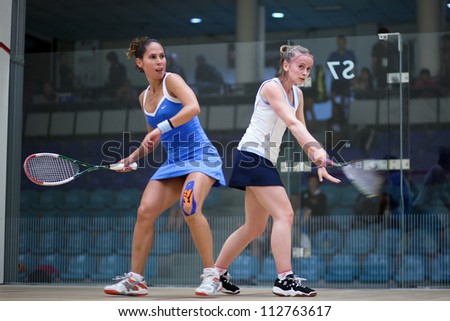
(192, 167)
(278, 105)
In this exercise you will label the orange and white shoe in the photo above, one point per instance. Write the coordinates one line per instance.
(129, 284)
(210, 282)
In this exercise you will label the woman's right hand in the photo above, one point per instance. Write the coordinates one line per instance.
(320, 158)
(323, 173)
(126, 165)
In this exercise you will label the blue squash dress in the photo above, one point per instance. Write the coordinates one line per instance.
(187, 147)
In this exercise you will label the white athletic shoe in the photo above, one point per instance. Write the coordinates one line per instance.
(128, 284)
(210, 282)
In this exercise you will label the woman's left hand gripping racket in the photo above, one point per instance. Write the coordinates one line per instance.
(51, 169)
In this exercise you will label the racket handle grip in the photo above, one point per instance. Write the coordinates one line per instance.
(118, 167)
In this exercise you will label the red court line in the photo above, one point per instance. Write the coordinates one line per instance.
(5, 47)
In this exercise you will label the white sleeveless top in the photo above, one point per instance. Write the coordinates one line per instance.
(265, 132)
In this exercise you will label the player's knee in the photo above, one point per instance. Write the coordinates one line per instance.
(187, 209)
(187, 202)
(285, 217)
(145, 213)
(142, 210)
(290, 218)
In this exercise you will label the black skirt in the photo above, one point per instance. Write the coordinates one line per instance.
(250, 169)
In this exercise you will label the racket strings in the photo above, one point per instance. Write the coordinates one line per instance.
(50, 169)
(368, 181)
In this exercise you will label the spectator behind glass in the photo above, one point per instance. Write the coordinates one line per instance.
(395, 199)
(435, 193)
(174, 66)
(46, 95)
(363, 83)
(207, 78)
(66, 76)
(314, 207)
(425, 85)
(50, 93)
(313, 199)
(126, 93)
(317, 93)
(384, 60)
(340, 87)
(117, 74)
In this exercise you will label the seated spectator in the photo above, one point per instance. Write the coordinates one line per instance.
(46, 95)
(49, 93)
(425, 85)
(435, 193)
(126, 93)
(207, 78)
(363, 83)
(314, 208)
(313, 199)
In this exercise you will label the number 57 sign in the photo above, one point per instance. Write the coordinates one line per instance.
(345, 67)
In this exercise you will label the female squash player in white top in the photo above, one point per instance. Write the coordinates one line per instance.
(278, 105)
(192, 167)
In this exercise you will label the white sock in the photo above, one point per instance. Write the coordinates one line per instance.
(136, 276)
(221, 271)
(283, 275)
(212, 270)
